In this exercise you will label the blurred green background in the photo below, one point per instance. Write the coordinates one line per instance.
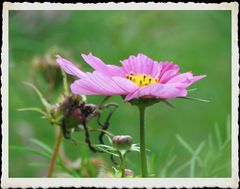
(199, 41)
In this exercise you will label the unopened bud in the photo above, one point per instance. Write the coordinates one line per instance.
(122, 142)
(128, 172)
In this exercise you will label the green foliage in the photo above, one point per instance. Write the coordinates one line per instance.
(208, 159)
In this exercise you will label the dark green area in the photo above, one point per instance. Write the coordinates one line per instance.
(199, 41)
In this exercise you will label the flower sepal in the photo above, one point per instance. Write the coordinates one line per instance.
(144, 102)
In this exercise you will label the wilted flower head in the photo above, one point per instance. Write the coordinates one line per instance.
(73, 111)
(47, 67)
(139, 77)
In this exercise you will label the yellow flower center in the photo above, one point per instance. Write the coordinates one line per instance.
(142, 79)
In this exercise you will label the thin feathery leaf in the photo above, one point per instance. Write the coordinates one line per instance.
(105, 146)
(40, 164)
(69, 171)
(218, 135)
(135, 149)
(191, 90)
(201, 145)
(220, 168)
(210, 142)
(180, 168)
(192, 167)
(107, 151)
(162, 171)
(185, 144)
(168, 104)
(33, 109)
(31, 150)
(109, 139)
(195, 99)
(42, 145)
(43, 100)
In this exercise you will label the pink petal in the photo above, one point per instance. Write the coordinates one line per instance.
(141, 65)
(100, 66)
(185, 79)
(167, 67)
(125, 84)
(198, 77)
(77, 88)
(163, 91)
(69, 67)
(97, 83)
(167, 75)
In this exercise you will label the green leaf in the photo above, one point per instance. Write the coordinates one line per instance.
(201, 145)
(105, 146)
(109, 139)
(101, 148)
(195, 99)
(81, 167)
(191, 90)
(192, 167)
(42, 145)
(210, 142)
(33, 109)
(180, 168)
(31, 150)
(185, 144)
(221, 167)
(218, 135)
(40, 164)
(43, 100)
(168, 164)
(168, 104)
(91, 169)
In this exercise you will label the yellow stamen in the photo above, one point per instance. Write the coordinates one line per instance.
(142, 79)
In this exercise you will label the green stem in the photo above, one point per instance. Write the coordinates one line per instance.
(142, 142)
(122, 165)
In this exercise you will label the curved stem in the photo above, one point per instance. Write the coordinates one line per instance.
(101, 130)
(142, 141)
(104, 100)
(55, 152)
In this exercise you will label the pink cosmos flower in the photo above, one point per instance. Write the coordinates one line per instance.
(139, 77)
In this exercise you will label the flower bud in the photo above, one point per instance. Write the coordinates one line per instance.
(122, 143)
(128, 173)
